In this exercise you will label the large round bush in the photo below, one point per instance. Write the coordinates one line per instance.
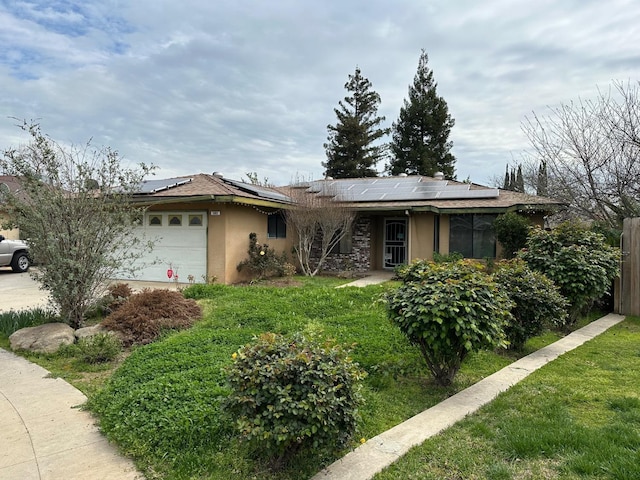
(449, 310)
(537, 302)
(579, 261)
(289, 393)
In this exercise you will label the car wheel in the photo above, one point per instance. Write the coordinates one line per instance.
(20, 263)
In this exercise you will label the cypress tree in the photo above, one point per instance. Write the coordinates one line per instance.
(542, 183)
(519, 186)
(505, 184)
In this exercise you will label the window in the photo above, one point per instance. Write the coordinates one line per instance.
(345, 245)
(472, 235)
(175, 220)
(195, 220)
(155, 220)
(276, 226)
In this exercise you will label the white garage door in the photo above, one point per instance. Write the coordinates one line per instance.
(180, 245)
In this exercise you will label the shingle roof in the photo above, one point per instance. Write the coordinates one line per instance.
(375, 193)
(204, 185)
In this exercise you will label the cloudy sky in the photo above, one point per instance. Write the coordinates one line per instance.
(243, 86)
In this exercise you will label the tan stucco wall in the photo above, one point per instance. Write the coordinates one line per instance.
(9, 234)
(444, 234)
(229, 240)
(421, 236)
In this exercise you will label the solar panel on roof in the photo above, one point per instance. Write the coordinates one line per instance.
(153, 186)
(259, 191)
(411, 188)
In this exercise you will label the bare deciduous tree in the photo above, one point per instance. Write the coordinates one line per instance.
(317, 219)
(74, 208)
(591, 149)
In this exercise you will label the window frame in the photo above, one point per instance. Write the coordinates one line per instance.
(171, 216)
(150, 218)
(276, 226)
(478, 240)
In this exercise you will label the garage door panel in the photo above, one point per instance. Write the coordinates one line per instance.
(182, 248)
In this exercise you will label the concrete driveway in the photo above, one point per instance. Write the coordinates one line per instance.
(18, 291)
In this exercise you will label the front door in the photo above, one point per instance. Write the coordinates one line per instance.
(395, 242)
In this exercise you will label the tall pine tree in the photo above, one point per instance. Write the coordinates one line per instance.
(420, 143)
(350, 148)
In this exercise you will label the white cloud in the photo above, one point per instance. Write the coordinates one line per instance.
(239, 87)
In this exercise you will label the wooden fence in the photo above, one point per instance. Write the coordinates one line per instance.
(630, 272)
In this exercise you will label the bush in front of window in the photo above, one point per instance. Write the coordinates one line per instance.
(449, 310)
(262, 261)
(511, 231)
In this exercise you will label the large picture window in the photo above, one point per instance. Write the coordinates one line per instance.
(276, 226)
(471, 234)
(345, 245)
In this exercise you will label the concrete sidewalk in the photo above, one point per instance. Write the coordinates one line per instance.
(44, 436)
(372, 278)
(381, 451)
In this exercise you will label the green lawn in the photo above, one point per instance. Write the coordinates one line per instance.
(162, 405)
(576, 418)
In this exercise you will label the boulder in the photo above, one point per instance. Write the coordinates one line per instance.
(47, 338)
(90, 331)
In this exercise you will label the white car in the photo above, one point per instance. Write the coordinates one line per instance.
(14, 254)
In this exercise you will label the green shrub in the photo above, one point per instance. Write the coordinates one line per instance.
(263, 261)
(447, 258)
(449, 310)
(99, 348)
(289, 394)
(13, 321)
(511, 231)
(580, 262)
(538, 303)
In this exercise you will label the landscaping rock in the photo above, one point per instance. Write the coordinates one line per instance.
(90, 331)
(47, 338)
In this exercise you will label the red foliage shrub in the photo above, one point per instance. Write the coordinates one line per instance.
(144, 317)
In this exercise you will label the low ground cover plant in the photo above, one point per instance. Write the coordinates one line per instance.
(449, 310)
(148, 314)
(100, 348)
(293, 393)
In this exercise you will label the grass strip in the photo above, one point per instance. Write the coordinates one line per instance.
(577, 417)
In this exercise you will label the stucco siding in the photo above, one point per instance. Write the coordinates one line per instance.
(13, 234)
(421, 236)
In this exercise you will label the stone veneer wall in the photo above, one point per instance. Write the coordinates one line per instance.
(359, 260)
